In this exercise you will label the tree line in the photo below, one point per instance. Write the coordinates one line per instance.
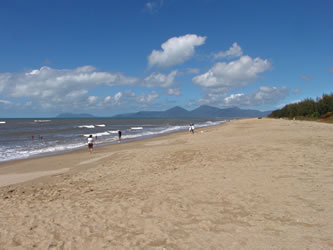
(320, 108)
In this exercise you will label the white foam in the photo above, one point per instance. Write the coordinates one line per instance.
(11, 154)
(102, 133)
(209, 123)
(175, 128)
(97, 134)
(108, 136)
(100, 125)
(136, 128)
(86, 126)
(152, 133)
(2, 122)
(42, 120)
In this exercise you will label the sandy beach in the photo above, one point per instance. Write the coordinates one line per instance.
(246, 184)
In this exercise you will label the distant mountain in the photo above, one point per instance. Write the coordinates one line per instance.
(204, 111)
(176, 112)
(71, 115)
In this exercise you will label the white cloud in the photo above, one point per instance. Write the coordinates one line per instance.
(118, 96)
(263, 96)
(5, 102)
(107, 99)
(233, 97)
(175, 92)
(176, 50)
(233, 74)
(160, 80)
(280, 106)
(59, 88)
(154, 6)
(212, 98)
(92, 99)
(47, 82)
(76, 93)
(233, 51)
(113, 100)
(193, 71)
(4, 80)
(147, 98)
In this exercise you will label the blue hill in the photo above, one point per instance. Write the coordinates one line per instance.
(204, 111)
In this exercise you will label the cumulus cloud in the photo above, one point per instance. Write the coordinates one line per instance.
(76, 94)
(296, 91)
(160, 80)
(147, 98)
(234, 74)
(46, 82)
(113, 100)
(233, 97)
(263, 96)
(4, 80)
(175, 92)
(48, 87)
(92, 99)
(176, 50)
(118, 96)
(234, 51)
(107, 99)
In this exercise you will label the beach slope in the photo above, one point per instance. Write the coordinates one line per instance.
(254, 183)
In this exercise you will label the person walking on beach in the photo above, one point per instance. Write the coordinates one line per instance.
(191, 128)
(90, 143)
(119, 135)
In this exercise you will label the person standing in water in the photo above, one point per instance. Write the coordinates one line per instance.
(119, 135)
(90, 143)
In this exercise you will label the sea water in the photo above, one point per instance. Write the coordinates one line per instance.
(24, 138)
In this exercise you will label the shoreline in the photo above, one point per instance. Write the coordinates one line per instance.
(17, 172)
(252, 183)
(42, 150)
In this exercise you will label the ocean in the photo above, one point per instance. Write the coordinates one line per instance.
(25, 138)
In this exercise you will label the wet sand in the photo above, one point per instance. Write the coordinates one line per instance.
(244, 184)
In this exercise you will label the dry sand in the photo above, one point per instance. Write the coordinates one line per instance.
(245, 184)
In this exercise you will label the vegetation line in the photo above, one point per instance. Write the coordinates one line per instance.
(320, 109)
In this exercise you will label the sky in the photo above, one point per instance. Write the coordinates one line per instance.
(107, 57)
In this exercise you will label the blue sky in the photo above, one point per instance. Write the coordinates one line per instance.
(118, 56)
